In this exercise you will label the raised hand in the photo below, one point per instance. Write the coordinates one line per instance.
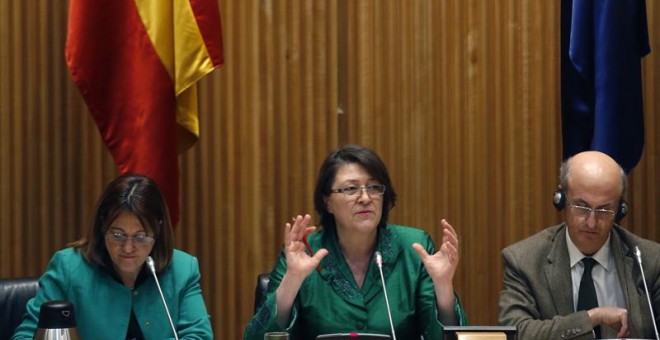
(299, 263)
(442, 265)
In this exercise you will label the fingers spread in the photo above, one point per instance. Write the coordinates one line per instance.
(320, 254)
(446, 225)
(448, 233)
(451, 252)
(309, 230)
(423, 254)
(449, 247)
(298, 228)
(287, 234)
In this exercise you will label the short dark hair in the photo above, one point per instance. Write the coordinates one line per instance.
(351, 154)
(137, 194)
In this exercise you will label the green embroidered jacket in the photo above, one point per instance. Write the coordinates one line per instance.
(330, 302)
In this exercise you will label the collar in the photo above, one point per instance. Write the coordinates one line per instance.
(335, 270)
(602, 256)
(109, 269)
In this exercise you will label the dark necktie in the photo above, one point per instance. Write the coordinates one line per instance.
(587, 294)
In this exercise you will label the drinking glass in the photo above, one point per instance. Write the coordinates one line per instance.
(276, 336)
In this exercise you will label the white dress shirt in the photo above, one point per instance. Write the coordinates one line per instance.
(606, 281)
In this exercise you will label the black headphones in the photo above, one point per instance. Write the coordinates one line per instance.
(559, 201)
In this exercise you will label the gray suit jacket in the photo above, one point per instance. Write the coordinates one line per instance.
(538, 294)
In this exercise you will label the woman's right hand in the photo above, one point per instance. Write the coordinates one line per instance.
(299, 263)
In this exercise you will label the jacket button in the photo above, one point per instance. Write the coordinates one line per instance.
(359, 325)
(148, 323)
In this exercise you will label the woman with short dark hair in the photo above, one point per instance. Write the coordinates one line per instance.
(105, 278)
(326, 281)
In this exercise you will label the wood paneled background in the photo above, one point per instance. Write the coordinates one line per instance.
(459, 97)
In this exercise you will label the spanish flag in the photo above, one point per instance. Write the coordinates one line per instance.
(136, 64)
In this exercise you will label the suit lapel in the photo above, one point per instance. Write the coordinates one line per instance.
(625, 265)
(559, 279)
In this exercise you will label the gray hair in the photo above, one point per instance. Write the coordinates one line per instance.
(565, 169)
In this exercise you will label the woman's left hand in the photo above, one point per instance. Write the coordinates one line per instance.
(442, 265)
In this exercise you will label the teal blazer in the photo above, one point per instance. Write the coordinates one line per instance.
(102, 305)
(329, 300)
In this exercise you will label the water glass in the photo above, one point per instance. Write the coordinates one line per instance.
(276, 336)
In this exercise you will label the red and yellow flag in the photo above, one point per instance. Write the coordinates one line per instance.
(136, 63)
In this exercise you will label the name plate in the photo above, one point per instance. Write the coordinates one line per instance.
(480, 336)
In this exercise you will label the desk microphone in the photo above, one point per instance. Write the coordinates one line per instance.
(638, 255)
(152, 268)
(379, 262)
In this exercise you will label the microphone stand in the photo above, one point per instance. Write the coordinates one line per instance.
(379, 262)
(152, 269)
(638, 254)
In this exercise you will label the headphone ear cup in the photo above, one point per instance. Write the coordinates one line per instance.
(559, 199)
(622, 211)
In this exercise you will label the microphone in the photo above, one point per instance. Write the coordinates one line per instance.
(379, 262)
(638, 255)
(152, 268)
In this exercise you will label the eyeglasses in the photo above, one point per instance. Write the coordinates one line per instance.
(585, 212)
(352, 190)
(121, 238)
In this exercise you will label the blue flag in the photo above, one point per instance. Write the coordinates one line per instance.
(602, 43)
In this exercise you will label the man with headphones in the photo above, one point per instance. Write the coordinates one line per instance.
(580, 279)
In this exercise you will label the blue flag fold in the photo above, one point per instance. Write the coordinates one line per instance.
(602, 44)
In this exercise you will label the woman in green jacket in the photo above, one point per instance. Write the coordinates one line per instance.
(104, 276)
(326, 281)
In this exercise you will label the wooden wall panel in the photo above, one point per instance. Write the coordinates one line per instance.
(52, 163)
(271, 120)
(460, 98)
